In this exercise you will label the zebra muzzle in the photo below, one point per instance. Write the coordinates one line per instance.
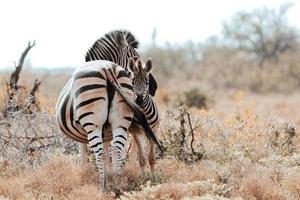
(139, 100)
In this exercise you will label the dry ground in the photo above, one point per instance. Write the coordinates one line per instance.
(249, 146)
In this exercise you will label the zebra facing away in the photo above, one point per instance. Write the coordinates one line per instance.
(88, 108)
(117, 46)
(140, 81)
(97, 102)
(105, 49)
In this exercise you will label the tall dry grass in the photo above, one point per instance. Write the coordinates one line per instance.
(246, 141)
(240, 161)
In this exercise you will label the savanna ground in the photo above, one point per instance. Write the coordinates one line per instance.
(229, 127)
(247, 146)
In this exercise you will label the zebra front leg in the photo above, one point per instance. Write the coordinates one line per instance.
(151, 157)
(140, 141)
(96, 146)
(118, 148)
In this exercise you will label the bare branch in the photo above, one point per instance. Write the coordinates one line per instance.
(15, 75)
(35, 87)
(182, 132)
(192, 132)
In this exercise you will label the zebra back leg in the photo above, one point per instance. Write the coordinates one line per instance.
(96, 145)
(120, 118)
(91, 112)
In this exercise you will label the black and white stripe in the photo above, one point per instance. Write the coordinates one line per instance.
(116, 46)
(90, 111)
(78, 120)
(140, 81)
(112, 45)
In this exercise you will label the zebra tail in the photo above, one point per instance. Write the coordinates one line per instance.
(138, 114)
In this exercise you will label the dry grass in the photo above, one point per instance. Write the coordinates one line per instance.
(57, 177)
(242, 136)
(87, 192)
(254, 186)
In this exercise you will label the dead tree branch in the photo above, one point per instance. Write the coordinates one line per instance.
(31, 101)
(192, 132)
(14, 78)
(35, 87)
(182, 133)
(19, 98)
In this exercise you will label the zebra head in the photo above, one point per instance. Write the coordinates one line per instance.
(116, 46)
(140, 78)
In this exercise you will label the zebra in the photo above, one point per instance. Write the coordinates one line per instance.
(105, 49)
(117, 46)
(88, 107)
(140, 82)
(88, 110)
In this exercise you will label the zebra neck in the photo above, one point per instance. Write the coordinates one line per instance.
(147, 103)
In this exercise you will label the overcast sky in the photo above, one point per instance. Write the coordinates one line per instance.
(64, 30)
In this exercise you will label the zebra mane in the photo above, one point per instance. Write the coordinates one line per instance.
(130, 39)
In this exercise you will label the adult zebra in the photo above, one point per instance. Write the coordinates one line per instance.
(88, 105)
(88, 112)
(140, 82)
(105, 49)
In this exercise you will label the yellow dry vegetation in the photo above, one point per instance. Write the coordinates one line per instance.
(243, 156)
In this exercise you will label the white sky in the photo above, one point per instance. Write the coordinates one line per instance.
(65, 29)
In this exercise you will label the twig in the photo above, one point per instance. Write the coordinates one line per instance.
(191, 131)
(182, 132)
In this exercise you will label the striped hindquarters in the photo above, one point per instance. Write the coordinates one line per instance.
(65, 115)
(84, 103)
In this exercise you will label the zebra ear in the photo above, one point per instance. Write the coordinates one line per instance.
(120, 39)
(152, 85)
(132, 66)
(149, 65)
(135, 58)
(139, 64)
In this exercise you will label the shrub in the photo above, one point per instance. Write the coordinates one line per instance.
(179, 137)
(194, 98)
